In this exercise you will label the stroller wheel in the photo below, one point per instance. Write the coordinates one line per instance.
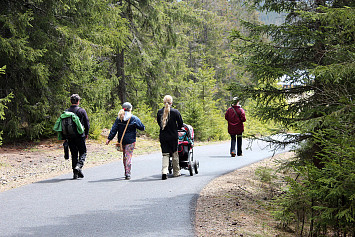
(196, 165)
(190, 169)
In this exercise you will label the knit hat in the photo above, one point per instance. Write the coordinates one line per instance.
(126, 106)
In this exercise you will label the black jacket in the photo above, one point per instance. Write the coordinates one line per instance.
(175, 122)
(83, 116)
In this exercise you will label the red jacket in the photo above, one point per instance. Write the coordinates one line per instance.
(235, 121)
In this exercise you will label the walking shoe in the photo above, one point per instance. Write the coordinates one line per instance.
(240, 154)
(233, 154)
(75, 176)
(80, 173)
(164, 177)
(128, 177)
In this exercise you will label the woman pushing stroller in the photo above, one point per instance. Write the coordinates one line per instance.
(170, 121)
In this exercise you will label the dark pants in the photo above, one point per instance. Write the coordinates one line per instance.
(236, 139)
(77, 148)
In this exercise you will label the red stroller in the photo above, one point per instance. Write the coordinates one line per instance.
(185, 150)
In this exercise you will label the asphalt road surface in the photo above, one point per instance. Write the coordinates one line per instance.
(104, 204)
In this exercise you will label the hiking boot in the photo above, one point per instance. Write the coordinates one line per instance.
(240, 154)
(232, 154)
(128, 177)
(164, 177)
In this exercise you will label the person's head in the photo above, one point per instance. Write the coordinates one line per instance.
(74, 99)
(168, 101)
(126, 107)
(235, 101)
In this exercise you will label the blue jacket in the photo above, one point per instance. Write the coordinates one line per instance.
(130, 135)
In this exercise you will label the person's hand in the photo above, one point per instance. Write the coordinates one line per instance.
(107, 142)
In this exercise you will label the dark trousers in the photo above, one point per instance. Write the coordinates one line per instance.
(77, 148)
(236, 139)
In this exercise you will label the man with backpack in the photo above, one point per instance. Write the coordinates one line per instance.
(76, 141)
(235, 116)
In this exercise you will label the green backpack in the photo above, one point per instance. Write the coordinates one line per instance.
(68, 125)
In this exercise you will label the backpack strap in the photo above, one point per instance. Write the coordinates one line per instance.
(236, 113)
(75, 110)
(125, 129)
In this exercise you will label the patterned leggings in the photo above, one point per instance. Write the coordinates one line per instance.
(127, 158)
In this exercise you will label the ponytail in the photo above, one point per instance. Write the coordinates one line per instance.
(121, 114)
(168, 100)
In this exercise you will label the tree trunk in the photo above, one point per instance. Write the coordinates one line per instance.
(121, 90)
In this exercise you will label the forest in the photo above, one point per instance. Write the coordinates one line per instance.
(110, 52)
(295, 75)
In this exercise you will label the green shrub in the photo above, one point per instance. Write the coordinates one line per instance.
(265, 174)
(148, 118)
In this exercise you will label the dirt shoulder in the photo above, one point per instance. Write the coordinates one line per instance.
(239, 203)
(28, 163)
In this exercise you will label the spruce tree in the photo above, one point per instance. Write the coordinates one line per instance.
(311, 54)
(52, 49)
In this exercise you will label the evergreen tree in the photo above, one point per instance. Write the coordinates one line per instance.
(209, 42)
(53, 49)
(3, 102)
(312, 55)
(152, 35)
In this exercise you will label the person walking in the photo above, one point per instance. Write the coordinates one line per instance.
(77, 143)
(170, 121)
(126, 124)
(235, 116)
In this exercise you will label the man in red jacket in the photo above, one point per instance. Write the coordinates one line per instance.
(235, 116)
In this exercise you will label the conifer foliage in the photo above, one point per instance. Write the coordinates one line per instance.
(312, 55)
(110, 52)
(51, 49)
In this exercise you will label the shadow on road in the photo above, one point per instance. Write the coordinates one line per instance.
(52, 181)
(224, 157)
(118, 220)
(106, 180)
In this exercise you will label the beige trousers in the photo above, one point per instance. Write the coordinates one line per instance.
(165, 163)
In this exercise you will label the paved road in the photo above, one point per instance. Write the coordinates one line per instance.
(104, 204)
